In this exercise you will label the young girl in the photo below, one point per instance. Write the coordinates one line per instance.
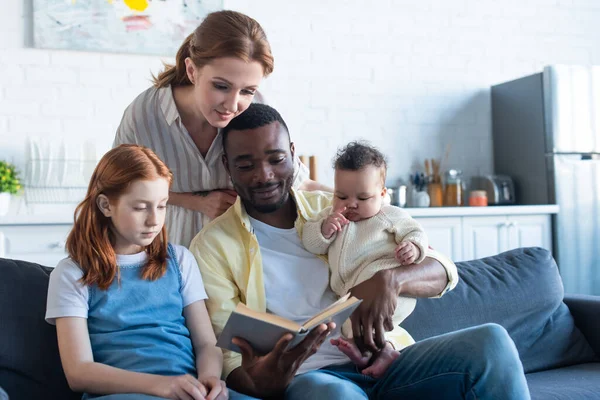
(128, 306)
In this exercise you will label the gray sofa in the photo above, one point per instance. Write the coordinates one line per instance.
(557, 336)
(520, 290)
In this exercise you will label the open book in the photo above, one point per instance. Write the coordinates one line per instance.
(263, 330)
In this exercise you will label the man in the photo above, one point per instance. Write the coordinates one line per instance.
(253, 254)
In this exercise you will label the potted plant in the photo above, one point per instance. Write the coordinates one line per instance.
(9, 184)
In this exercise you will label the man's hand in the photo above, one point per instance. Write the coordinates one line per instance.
(373, 317)
(407, 252)
(334, 223)
(270, 374)
(215, 202)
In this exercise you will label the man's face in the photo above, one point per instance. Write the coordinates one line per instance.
(260, 163)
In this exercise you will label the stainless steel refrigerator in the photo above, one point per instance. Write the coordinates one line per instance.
(546, 135)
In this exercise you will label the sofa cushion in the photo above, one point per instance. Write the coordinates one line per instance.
(29, 362)
(570, 383)
(520, 290)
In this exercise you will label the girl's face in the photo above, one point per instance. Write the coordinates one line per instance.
(224, 88)
(360, 192)
(138, 215)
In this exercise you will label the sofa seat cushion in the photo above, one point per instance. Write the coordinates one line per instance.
(520, 290)
(569, 383)
(30, 366)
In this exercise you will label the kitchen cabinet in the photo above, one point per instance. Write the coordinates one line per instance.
(42, 244)
(467, 237)
(444, 235)
(484, 236)
(487, 236)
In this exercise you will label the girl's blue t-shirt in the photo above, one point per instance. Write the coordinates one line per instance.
(135, 324)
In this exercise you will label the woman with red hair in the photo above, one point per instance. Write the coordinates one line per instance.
(129, 306)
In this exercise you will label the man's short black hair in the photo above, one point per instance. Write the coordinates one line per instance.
(357, 155)
(255, 116)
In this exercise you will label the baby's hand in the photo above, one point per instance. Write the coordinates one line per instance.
(334, 223)
(407, 253)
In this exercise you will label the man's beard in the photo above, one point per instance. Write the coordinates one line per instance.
(268, 208)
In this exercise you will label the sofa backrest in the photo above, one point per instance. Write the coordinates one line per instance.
(30, 365)
(520, 290)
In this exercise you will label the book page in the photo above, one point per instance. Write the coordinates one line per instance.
(241, 308)
(340, 305)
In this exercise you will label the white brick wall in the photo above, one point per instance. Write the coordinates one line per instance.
(411, 76)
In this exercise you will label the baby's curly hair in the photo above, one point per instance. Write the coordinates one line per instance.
(357, 155)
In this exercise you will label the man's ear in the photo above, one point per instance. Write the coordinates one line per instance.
(225, 162)
(104, 205)
(292, 149)
(190, 70)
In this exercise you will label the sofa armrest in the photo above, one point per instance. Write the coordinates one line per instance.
(586, 312)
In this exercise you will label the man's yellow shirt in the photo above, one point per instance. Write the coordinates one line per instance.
(229, 258)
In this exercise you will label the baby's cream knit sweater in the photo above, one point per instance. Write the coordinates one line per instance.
(365, 247)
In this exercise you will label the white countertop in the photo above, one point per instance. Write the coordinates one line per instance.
(482, 211)
(37, 219)
(66, 217)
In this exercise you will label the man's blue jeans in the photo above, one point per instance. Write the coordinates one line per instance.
(475, 363)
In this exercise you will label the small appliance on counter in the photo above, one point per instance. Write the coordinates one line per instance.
(500, 189)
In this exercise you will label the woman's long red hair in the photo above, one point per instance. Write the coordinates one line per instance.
(90, 242)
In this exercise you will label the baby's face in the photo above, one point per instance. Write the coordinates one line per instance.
(360, 192)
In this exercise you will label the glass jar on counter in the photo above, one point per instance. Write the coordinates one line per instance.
(478, 198)
(453, 192)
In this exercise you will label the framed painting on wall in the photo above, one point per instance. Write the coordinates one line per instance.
(156, 27)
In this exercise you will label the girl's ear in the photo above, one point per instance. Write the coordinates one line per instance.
(383, 191)
(104, 205)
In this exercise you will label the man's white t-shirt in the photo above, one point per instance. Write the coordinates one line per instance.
(296, 286)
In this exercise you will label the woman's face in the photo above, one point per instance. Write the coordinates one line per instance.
(224, 88)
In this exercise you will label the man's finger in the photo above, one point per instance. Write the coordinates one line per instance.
(246, 349)
(312, 347)
(357, 332)
(305, 345)
(379, 334)
(388, 324)
(368, 334)
(281, 345)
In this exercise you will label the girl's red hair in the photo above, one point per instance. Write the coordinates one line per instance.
(90, 242)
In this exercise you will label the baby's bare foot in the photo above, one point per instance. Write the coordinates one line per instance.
(381, 361)
(349, 348)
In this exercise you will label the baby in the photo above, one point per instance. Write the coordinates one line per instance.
(361, 236)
